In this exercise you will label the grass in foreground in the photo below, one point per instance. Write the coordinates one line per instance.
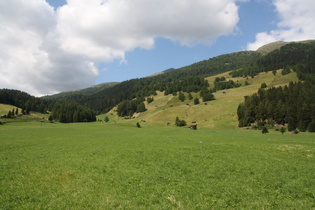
(102, 166)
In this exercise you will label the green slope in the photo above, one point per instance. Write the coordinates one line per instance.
(277, 45)
(86, 91)
(33, 116)
(218, 114)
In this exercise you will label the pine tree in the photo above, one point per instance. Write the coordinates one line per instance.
(196, 101)
(264, 130)
(141, 107)
(311, 126)
(208, 97)
(274, 72)
(291, 125)
(181, 96)
(50, 118)
(190, 96)
(9, 114)
(282, 130)
(263, 85)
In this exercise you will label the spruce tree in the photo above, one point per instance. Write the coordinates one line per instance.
(282, 130)
(141, 107)
(264, 130)
(190, 96)
(181, 96)
(311, 126)
(263, 85)
(196, 101)
(9, 114)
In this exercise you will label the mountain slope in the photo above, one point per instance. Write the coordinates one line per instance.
(86, 91)
(277, 45)
(217, 114)
(190, 78)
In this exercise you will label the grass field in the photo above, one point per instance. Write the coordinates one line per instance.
(117, 165)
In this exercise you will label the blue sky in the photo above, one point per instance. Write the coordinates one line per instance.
(255, 16)
(56, 45)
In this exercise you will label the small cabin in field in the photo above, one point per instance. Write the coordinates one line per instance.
(192, 127)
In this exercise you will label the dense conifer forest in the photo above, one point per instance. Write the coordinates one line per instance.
(186, 79)
(293, 104)
(297, 57)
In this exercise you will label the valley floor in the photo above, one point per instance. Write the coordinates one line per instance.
(117, 165)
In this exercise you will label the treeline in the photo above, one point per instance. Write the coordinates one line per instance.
(72, 112)
(293, 105)
(128, 108)
(219, 64)
(186, 79)
(298, 57)
(64, 112)
(25, 101)
(220, 83)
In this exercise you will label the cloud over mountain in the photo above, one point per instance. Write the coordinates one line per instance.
(43, 51)
(296, 23)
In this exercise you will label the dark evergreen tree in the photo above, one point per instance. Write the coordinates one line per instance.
(274, 72)
(196, 101)
(190, 96)
(141, 107)
(150, 99)
(263, 85)
(282, 130)
(208, 97)
(179, 122)
(181, 96)
(286, 71)
(264, 130)
(311, 126)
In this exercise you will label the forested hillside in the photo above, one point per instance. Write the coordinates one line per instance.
(130, 96)
(63, 112)
(297, 57)
(186, 79)
(81, 92)
(293, 105)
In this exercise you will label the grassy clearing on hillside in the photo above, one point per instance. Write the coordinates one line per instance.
(33, 116)
(4, 109)
(117, 165)
(218, 114)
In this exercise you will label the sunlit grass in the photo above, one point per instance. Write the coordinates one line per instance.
(117, 165)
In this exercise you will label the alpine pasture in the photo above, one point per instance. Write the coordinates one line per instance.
(117, 165)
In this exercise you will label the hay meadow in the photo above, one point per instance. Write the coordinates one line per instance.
(119, 166)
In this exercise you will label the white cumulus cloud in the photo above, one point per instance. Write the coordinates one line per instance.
(43, 51)
(296, 23)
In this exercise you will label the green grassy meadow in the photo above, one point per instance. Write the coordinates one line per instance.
(117, 165)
